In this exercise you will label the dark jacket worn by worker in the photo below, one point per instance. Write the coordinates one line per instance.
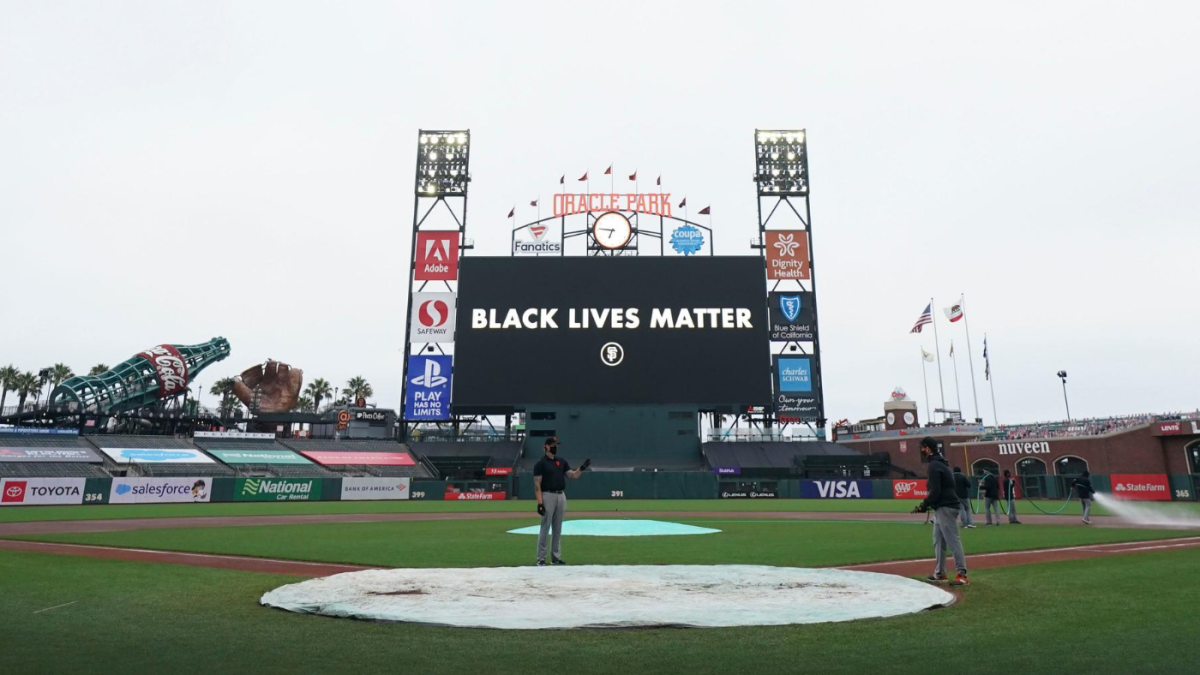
(1010, 488)
(991, 487)
(940, 484)
(1083, 488)
(962, 485)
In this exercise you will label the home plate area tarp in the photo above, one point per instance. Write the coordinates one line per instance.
(600, 596)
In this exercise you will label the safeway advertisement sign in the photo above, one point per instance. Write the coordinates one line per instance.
(20, 491)
(437, 256)
(909, 489)
(433, 317)
(159, 490)
(1143, 487)
(362, 489)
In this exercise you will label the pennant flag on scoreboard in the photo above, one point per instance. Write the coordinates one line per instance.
(583, 177)
(512, 212)
(659, 181)
(955, 312)
(562, 179)
(533, 203)
(608, 171)
(925, 319)
(683, 203)
(926, 355)
(704, 211)
(952, 348)
(987, 365)
(633, 176)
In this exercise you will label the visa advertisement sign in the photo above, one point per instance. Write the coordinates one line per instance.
(836, 489)
(160, 490)
(428, 388)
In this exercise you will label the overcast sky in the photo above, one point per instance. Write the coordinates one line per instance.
(175, 171)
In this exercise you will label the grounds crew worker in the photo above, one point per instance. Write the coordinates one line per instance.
(1083, 488)
(549, 480)
(962, 490)
(945, 506)
(991, 497)
(1010, 493)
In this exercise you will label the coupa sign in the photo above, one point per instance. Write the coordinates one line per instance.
(1036, 448)
(836, 489)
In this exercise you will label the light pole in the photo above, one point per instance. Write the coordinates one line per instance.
(1062, 374)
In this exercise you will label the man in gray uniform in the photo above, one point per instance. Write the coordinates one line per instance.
(991, 496)
(945, 506)
(1083, 488)
(962, 490)
(549, 481)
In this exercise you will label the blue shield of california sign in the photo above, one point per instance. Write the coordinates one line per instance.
(687, 239)
(790, 306)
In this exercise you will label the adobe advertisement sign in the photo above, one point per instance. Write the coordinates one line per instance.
(591, 330)
(160, 490)
(1141, 487)
(787, 255)
(22, 491)
(796, 394)
(49, 455)
(365, 458)
(437, 256)
(909, 489)
(170, 369)
(156, 456)
(432, 317)
(836, 489)
(429, 387)
(792, 317)
(373, 489)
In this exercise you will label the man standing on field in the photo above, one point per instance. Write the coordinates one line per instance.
(550, 476)
(991, 496)
(945, 506)
(962, 490)
(1083, 488)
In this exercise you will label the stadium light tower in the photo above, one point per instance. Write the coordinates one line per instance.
(1062, 374)
(439, 206)
(785, 242)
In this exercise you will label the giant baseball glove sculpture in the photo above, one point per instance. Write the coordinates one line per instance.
(278, 384)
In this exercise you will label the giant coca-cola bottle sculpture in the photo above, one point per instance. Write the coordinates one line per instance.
(152, 374)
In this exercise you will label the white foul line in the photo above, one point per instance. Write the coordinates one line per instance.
(56, 607)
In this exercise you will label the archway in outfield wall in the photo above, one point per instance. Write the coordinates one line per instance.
(1193, 455)
(1066, 469)
(1031, 472)
(981, 466)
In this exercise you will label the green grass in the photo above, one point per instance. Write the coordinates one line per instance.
(115, 511)
(1122, 614)
(466, 543)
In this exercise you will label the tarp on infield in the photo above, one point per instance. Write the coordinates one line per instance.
(617, 527)
(598, 596)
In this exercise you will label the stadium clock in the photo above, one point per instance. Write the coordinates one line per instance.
(612, 230)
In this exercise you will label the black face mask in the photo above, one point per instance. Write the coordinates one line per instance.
(553, 450)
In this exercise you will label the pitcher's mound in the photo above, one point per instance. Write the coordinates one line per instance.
(597, 596)
(620, 528)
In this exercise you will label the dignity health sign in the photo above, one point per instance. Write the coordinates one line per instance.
(155, 456)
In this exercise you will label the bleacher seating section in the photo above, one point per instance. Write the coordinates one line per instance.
(51, 470)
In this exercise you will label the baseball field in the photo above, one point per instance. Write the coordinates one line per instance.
(91, 589)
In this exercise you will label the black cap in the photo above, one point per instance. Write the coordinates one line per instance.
(928, 442)
(553, 440)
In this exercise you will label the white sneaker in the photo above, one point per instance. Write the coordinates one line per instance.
(970, 527)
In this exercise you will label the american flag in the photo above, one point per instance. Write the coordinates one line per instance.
(926, 318)
(987, 365)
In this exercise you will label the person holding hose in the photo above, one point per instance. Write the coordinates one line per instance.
(550, 476)
(991, 496)
(1083, 488)
(945, 506)
(962, 490)
(1010, 493)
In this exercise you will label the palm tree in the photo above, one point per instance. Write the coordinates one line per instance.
(43, 378)
(224, 388)
(317, 390)
(358, 387)
(98, 369)
(60, 372)
(26, 384)
(8, 377)
(305, 404)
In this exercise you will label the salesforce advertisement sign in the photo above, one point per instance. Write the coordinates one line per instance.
(156, 456)
(160, 490)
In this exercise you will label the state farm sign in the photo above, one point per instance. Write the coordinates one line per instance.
(909, 489)
(1143, 487)
(1035, 448)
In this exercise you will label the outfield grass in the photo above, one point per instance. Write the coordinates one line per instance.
(468, 543)
(1121, 614)
(116, 511)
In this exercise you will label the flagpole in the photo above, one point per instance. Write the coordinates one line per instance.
(925, 379)
(991, 385)
(938, 349)
(957, 392)
(970, 357)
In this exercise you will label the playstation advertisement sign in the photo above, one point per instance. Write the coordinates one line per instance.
(792, 316)
(428, 396)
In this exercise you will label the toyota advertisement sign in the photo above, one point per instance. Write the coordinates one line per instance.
(428, 397)
(23, 491)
